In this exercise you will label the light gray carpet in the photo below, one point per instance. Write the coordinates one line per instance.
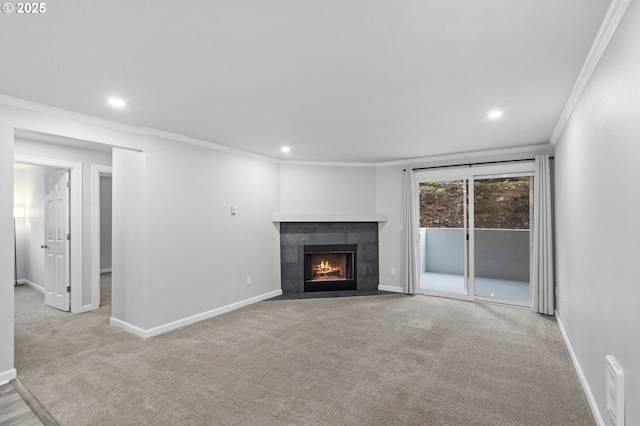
(388, 360)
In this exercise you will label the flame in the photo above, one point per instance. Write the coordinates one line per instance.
(325, 268)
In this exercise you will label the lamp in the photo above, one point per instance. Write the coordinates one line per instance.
(18, 212)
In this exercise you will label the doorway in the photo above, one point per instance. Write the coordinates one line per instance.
(475, 232)
(101, 211)
(65, 284)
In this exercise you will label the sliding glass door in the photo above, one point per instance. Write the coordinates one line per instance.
(501, 239)
(475, 233)
(443, 224)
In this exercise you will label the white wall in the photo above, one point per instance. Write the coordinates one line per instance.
(597, 205)
(86, 157)
(389, 201)
(7, 371)
(129, 226)
(31, 257)
(327, 190)
(105, 222)
(199, 255)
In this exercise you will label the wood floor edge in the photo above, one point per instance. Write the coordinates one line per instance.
(35, 405)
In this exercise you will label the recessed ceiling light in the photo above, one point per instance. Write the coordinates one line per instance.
(285, 149)
(116, 102)
(495, 114)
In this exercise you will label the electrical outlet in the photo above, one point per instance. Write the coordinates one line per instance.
(393, 271)
(234, 210)
(249, 280)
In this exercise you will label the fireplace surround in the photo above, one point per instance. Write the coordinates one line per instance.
(300, 241)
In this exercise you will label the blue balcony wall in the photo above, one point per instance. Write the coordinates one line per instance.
(500, 253)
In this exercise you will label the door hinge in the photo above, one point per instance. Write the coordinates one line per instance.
(68, 236)
(68, 186)
(69, 289)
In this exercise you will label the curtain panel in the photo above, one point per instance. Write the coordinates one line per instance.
(542, 281)
(411, 235)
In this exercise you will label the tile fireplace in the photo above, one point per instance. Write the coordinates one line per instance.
(328, 256)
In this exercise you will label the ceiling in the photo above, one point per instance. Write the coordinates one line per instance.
(337, 80)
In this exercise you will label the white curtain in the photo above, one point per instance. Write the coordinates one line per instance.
(542, 279)
(411, 235)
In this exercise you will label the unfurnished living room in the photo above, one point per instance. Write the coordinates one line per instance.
(320, 212)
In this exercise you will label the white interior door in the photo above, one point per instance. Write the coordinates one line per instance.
(57, 282)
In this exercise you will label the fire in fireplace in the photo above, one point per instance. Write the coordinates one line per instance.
(330, 267)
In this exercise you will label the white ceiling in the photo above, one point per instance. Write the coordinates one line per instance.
(337, 80)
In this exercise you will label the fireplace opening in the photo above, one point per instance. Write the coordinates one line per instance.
(330, 267)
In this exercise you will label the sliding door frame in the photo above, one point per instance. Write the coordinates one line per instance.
(469, 174)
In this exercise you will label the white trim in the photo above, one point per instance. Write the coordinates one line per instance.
(475, 156)
(140, 332)
(7, 375)
(97, 170)
(326, 163)
(210, 145)
(192, 319)
(32, 285)
(63, 113)
(104, 271)
(75, 212)
(392, 288)
(284, 217)
(583, 380)
(610, 24)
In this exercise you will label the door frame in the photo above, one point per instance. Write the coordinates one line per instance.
(470, 173)
(97, 170)
(75, 217)
(444, 176)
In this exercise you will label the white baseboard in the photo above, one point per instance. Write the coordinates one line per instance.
(583, 380)
(192, 319)
(89, 307)
(8, 375)
(141, 332)
(32, 285)
(391, 288)
(104, 271)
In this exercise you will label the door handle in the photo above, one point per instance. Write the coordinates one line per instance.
(44, 246)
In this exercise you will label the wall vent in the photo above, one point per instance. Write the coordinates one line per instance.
(615, 391)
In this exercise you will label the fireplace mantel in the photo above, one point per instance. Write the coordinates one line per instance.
(295, 217)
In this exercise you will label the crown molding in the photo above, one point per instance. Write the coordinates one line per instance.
(510, 153)
(63, 113)
(204, 144)
(610, 24)
(138, 130)
(326, 163)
